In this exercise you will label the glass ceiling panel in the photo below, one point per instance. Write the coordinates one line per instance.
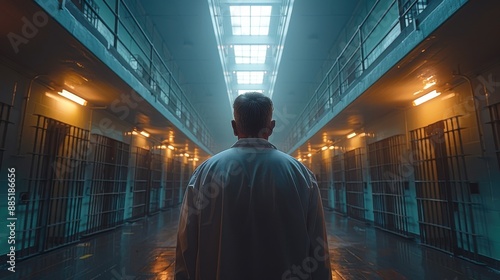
(250, 54)
(242, 91)
(250, 20)
(250, 77)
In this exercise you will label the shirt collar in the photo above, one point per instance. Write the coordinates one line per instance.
(253, 143)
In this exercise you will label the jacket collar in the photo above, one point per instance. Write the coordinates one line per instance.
(253, 143)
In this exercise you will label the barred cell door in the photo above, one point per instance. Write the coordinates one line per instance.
(4, 125)
(156, 183)
(55, 186)
(109, 183)
(141, 183)
(443, 191)
(389, 178)
(339, 203)
(354, 185)
(168, 177)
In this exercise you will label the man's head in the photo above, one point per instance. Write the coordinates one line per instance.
(253, 116)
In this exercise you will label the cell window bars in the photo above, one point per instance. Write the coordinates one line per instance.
(445, 207)
(55, 186)
(108, 185)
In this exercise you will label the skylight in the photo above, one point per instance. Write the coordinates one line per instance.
(242, 91)
(250, 77)
(250, 54)
(250, 37)
(250, 20)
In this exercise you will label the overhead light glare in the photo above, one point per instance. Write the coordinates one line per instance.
(351, 135)
(324, 148)
(425, 98)
(144, 133)
(429, 84)
(71, 96)
(171, 147)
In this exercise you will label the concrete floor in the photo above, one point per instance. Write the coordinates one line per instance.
(145, 250)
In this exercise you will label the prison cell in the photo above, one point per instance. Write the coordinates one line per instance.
(156, 182)
(168, 177)
(324, 181)
(186, 174)
(141, 187)
(55, 186)
(4, 125)
(495, 126)
(389, 184)
(444, 199)
(339, 200)
(176, 182)
(109, 183)
(354, 184)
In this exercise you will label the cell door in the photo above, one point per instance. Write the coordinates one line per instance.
(55, 186)
(354, 185)
(339, 204)
(444, 199)
(141, 183)
(389, 181)
(109, 183)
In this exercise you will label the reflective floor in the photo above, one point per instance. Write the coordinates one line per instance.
(145, 250)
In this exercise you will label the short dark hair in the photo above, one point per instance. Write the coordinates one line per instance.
(252, 113)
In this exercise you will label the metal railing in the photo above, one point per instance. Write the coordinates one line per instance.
(382, 25)
(121, 30)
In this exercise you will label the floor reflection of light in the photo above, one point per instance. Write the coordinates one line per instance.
(163, 265)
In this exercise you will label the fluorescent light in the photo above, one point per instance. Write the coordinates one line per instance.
(429, 84)
(196, 159)
(331, 147)
(170, 147)
(309, 155)
(186, 155)
(425, 98)
(351, 135)
(144, 133)
(324, 148)
(71, 96)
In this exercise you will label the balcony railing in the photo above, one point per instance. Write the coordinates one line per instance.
(146, 58)
(382, 25)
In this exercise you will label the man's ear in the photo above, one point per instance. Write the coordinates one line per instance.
(235, 129)
(271, 127)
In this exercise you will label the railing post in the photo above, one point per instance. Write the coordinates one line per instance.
(361, 51)
(117, 22)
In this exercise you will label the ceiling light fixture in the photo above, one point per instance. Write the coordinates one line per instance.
(71, 96)
(425, 98)
(351, 135)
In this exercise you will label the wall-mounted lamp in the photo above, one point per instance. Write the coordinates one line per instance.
(71, 96)
(425, 98)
